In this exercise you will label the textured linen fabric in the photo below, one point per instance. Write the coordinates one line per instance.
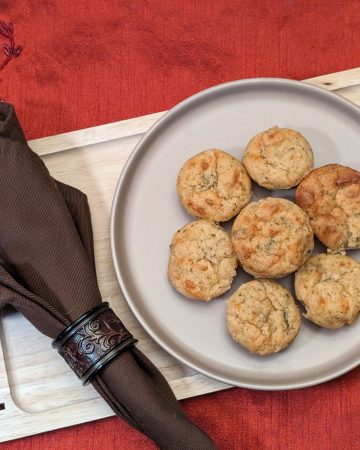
(47, 273)
(84, 63)
(87, 63)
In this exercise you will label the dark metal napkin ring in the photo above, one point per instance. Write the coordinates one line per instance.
(92, 341)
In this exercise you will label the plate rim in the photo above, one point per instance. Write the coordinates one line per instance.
(116, 199)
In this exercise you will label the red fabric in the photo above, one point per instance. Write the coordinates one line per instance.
(87, 63)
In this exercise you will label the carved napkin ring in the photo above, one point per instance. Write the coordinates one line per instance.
(93, 340)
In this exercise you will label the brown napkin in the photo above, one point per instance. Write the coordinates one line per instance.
(47, 272)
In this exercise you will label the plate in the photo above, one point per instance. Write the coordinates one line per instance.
(146, 213)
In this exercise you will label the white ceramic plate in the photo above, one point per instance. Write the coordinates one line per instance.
(146, 213)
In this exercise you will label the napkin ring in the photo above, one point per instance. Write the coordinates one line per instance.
(92, 341)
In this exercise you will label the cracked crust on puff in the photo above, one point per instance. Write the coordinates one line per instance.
(202, 262)
(213, 185)
(272, 238)
(330, 195)
(278, 158)
(329, 287)
(263, 317)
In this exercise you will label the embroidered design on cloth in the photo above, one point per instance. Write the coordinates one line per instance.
(10, 49)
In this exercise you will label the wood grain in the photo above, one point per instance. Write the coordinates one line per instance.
(39, 392)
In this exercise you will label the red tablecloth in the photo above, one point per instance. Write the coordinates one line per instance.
(86, 63)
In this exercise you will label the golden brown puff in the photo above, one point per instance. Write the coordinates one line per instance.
(329, 287)
(272, 238)
(330, 196)
(278, 158)
(213, 185)
(202, 262)
(263, 317)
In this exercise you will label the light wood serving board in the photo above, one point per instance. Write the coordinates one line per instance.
(37, 391)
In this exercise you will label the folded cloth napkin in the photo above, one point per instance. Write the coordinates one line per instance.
(47, 272)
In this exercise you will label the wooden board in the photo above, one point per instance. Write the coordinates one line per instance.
(38, 392)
